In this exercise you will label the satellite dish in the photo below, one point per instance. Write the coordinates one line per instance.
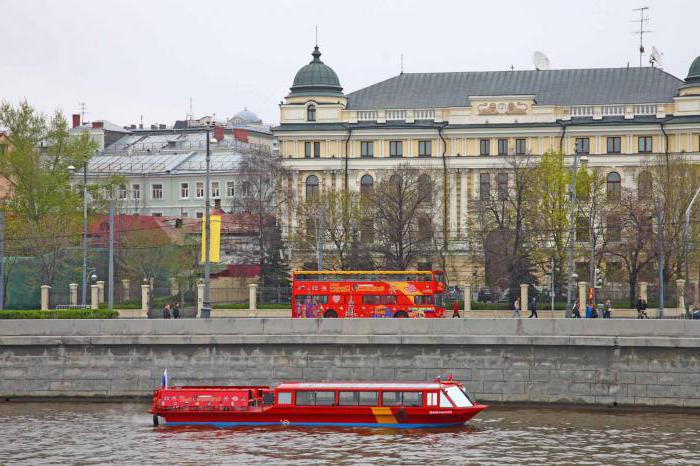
(656, 58)
(540, 60)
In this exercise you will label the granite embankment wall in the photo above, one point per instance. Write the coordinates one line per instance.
(653, 363)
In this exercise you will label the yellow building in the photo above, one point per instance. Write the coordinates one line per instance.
(461, 125)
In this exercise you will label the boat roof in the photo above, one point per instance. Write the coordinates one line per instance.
(362, 385)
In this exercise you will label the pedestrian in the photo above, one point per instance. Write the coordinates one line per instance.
(607, 309)
(594, 311)
(176, 310)
(533, 308)
(455, 309)
(576, 310)
(516, 308)
(644, 308)
(641, 309)
(166, 311)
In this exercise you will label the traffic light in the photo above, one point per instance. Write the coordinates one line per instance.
(597, 278)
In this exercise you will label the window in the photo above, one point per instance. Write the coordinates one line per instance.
(582, 229)
(388, 299)
(425, 187)
(484, 147)
(502, 186)
(215, 189)
(245, 188)
(366, 149)
(423, 299)
(460, 399)
(366, 186)
(583, 145)
(413, 399)
(284, 398)
(229, 188)
(520, 147)
(358, 398)
(307, 150)
(199, 215)
(371, 299)
(503, 147)
(645, 144)
(136, 191)
(123, 193)
(311, 113)
(425, 148)
(157, 214)
(312, 189)
(317, 150)
(315, 398)
(484, 186)
(199, 189)
(395, 148)
(614, 229)
(424, 228)
(614, 189)
(367, 230)
(644, 185)
(184, 190)
(156, 191)
(614, 145)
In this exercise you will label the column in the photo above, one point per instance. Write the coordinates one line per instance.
(101, 290)
(125, 289)
(45, 297)
(680, 289)
(582, 296)
(467, 298)
(174, 289)
(145, 290)
(524, 288)
(643, 290)
(253, 296)
(73, 293)
(95, 296)
(200, 297)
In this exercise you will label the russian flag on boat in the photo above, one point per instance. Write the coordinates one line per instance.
(165, 379)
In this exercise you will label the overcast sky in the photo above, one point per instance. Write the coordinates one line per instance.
(142, 57)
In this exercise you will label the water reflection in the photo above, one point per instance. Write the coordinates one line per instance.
(111, 433)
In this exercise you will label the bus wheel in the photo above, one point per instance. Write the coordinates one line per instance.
(330, 313)
(400, 315)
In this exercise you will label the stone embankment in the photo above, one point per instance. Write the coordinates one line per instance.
(628, 362)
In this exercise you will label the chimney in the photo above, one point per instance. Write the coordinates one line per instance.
(140, 125)
(98, 124)
(218, 133)
(133, 127)
(154, 126)
(161, 126)
(240, 134)
(76, 120)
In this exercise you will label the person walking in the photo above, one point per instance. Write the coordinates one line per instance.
(641, 309)
(516, 308)
(166, 311)
(176, 310)
(455, 309)
(607, 309)
(533, 308)
(576, 310)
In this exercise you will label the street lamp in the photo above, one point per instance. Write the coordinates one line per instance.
(72, 170)
(686, 237)
(206, 305)
(572, 230)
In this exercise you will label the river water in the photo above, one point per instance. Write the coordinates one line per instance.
(122, 433)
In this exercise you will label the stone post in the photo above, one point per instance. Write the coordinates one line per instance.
(253, 296)
(145, 290)
(467, 298)
(174, 288)
(523, 297)
(101, 290)
(583, 296)
(200, 297)
(125, 289)
(643, 291)
(45, 297)
(95, 296)
(694, 292)
(680, 287)
(73, 294)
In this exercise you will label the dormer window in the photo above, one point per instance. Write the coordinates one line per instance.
(311, 113)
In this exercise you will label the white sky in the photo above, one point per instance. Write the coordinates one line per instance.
(125, 58)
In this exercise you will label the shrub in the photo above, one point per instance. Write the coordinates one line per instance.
(60, 314)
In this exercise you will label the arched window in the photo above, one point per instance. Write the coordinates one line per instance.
(312, 191)
(644, 186)
(425, 187)
(366, 186)
(614, 187)
(396, 180)
(311, 113)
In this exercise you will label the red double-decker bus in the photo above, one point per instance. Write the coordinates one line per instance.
(405, 293)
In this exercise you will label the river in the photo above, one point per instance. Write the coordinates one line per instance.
(90, 433)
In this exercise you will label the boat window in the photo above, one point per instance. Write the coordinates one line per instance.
(305, 399)
(284, 398)
(432, 399)
(458, 397)
(357, 398)
(402, 399)
(445, 401)
(325, 398)
(308, 398)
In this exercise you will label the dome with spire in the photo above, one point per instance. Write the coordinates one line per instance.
(316, 78)
(694, 72)
(245, 116)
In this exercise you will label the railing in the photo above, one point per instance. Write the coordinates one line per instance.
(646, 109)
(613, 110)
(581, 110)
(225, 144)
(367, 115)
(426, 114)
(395, 114)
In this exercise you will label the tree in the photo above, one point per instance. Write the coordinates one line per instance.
(274, 272)
(593, 208)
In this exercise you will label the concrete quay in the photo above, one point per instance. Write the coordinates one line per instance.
(594, 361)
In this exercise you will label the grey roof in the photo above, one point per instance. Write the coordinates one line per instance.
(694, 71)
(316, 78)
(551, 87)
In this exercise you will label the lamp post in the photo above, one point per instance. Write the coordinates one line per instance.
(206, 305)
(686, 238)
(572, 230)
(71, 170)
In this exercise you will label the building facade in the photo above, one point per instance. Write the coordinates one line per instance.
(461, 126)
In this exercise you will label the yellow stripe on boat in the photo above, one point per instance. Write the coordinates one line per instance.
(384, 416)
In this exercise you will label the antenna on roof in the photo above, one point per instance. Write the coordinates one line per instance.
(316, 36)
(402, 63)
(643, 18)
(83, 105)
(540, 61)
(656, 58)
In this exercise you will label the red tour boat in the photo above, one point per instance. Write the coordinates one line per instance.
(365, 404)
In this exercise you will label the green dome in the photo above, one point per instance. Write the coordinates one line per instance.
(316, 78)
(694, 72)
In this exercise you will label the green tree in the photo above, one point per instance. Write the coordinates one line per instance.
(274, 271)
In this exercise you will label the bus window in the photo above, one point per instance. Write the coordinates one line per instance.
(390, 299)
(371, 299)
(439, 301)
(423, 299)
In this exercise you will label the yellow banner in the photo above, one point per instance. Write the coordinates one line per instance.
(214, 238)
